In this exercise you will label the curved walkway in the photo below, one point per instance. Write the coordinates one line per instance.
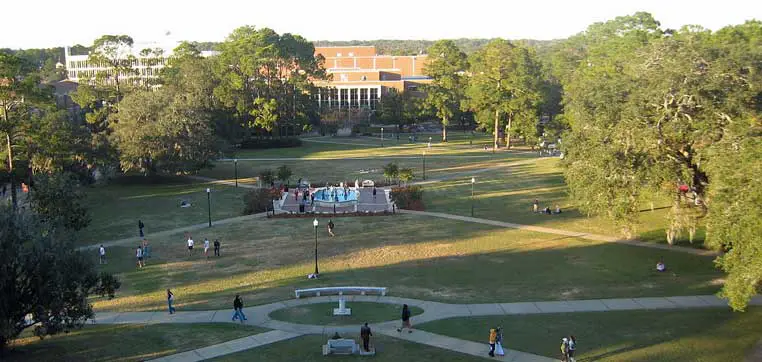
(540, 229)
(259, 316)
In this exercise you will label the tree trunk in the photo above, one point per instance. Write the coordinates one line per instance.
(14, 196)
(444, 129)
(497, 129)
(508, 132)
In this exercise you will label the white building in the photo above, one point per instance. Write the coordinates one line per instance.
(79, 68)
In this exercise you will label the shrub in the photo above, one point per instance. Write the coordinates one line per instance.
(259, 200)
(405, 175)
(408, 197)
(107, 285)
(284, 174)
(267, 177)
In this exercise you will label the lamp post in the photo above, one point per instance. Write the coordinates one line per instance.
(315, 224)
(382, 136)
(473, 181)
(424, 164)
(236, 172)
(209, 204)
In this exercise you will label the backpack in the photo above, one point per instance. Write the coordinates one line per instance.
(564, 347)
(572, 345)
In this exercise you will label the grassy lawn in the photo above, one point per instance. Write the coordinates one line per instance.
(116, 207)
(322, 313)
(319, 171)
(708, 335)
(308, 348)
(507, 194)
(414, 256)
(134, 342)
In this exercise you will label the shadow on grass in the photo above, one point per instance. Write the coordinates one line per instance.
(456, 263)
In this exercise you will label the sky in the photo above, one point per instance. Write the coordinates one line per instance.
(46, 23)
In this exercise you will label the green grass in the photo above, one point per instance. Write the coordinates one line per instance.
(707, 335)
(115, 208)
(134, 342)
(308, 349)
(322, 313)
(414, 256)
(507, 195)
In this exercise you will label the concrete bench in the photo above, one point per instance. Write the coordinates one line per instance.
(340, 291)
(340, 346)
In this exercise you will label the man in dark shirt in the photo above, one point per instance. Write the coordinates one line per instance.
(216, 247)
(365, 334)
(238, 306)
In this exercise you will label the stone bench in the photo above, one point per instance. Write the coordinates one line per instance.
(340, 291)
(340, 346)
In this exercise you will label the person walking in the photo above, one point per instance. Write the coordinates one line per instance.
(492, 341)
(330, 227)
(365, 334)
(405, 320)
(238, 308)
(374, 193)
(170, 300)
(499, 342)
(572, 348)
(564, 349)
(102, 255)
(140, 227)
(216, 247)
(206, 248)
(139, 255)
(190, 245)
(146, 254)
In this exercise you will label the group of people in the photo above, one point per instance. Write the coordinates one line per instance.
(546, 210)
(191, 244)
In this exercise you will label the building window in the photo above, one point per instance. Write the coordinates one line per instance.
(344, 97)
(364, 78)
(353, 101)
(338, 54)
(351, 54)
(343, 77)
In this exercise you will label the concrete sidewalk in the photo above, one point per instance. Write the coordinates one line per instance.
(575, 234)
(236, 345)
(259, 316)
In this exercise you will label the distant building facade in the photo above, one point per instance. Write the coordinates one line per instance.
(360, 77)
(79, 67)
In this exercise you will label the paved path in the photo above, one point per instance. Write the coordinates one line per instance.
(259, 316)
(575, 234)
(135, 239)
(236, 345)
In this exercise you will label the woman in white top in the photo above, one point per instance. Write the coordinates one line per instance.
(190, 246)
(206, 247)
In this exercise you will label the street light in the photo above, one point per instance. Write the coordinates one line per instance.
(209, 203)
(424, 164)
(315, 224)
(473, 181)
(382, 136)
(236, 172)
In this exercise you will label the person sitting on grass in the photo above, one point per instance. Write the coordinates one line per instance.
(547, 211)
(558, 209)
(660, 267)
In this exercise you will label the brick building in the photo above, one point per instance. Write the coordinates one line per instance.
(360, 77)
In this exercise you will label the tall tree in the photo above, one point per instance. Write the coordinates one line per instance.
(160, 131)
(447, 66)
(20, 91)
(265, 77)
(505, 82)
(42, 275)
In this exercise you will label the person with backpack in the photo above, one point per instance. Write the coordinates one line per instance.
(492, 341)
(564, 349)
(238, 307)
(572, 348)
(216, 247)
